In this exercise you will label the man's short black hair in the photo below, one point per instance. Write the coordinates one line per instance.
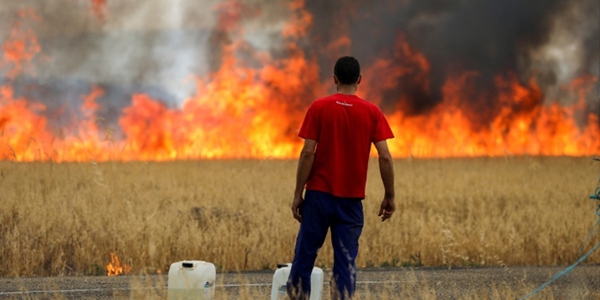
(347, 70)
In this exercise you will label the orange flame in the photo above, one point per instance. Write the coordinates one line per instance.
(240, 111)
(114, 267)
(21, 45)
(522, 125)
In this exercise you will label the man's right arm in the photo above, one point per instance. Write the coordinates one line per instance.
(386, 168)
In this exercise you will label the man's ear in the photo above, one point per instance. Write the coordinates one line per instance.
(359, 79)
(335, 80)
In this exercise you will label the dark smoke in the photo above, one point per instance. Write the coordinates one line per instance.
(490, 37)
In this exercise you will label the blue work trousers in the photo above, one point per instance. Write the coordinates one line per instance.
(321, 211)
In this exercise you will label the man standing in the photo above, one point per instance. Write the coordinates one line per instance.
(338, 131)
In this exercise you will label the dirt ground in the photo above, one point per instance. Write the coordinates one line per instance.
(380, 283)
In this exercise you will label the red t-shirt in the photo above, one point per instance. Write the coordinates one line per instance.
(344, 127)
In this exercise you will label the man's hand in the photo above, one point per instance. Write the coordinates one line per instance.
(388, 206)
(386, 168)
(296, 206)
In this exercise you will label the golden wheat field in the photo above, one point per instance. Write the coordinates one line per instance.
(67, 218)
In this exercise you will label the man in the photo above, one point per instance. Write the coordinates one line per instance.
(338, 131)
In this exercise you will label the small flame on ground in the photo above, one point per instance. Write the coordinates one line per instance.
(114, 267)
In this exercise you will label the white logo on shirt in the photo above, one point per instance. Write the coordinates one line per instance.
(343, 103)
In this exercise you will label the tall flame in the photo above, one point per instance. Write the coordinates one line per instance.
(239, 111)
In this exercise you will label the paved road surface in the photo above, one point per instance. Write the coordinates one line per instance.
(380, 283)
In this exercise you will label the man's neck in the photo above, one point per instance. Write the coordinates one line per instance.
(347, 89)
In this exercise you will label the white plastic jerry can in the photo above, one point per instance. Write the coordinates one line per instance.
(191, 279)
(280, 278)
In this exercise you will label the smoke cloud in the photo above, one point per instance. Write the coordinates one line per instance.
(554, 41)
(155, 46)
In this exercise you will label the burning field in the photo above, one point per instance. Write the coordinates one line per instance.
(494, 105)
(232, 79)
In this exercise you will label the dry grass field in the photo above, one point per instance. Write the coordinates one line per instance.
(66, 219)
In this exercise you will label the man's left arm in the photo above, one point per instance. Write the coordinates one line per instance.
(305, 163)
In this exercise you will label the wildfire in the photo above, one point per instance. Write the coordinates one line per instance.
(239, 111)
(114, 267)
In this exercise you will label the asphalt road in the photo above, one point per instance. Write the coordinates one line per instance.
(381, 283)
